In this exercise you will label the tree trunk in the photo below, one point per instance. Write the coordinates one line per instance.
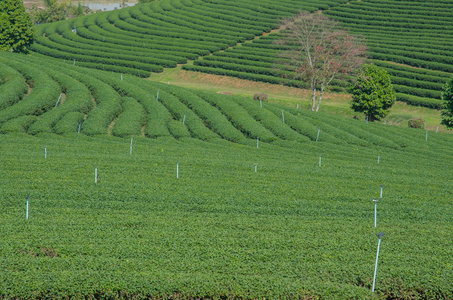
(313, 100)
(320, 97)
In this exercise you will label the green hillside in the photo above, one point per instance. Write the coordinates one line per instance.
(411, 40)
(301, 226)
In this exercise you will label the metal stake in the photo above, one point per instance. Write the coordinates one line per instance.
(26, 214)
(58, 100)
(375, 210)
(380, 234)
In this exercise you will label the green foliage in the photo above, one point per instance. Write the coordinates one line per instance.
(302, 230)
(416, 123)
(131, 120)
(419, 101)
(447, 97)
(16, 28)
(69, 124)
(13, 87)
(373, 93)
(19, 124)
(55, 10)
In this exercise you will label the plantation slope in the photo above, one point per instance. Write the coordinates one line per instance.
(92, 102)
(292, 229)
(411, 40)
(149, 37)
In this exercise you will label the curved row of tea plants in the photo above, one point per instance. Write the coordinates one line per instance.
(149, 37)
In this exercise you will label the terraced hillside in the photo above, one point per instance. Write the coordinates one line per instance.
(411, 40)
(44, 96)
(149, 37)
(215, 196)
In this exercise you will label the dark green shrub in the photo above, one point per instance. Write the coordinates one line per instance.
(260, 96)
(416, 123)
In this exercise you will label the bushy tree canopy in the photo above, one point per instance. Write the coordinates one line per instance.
(16, 28)
(373, 93)
(447, 96)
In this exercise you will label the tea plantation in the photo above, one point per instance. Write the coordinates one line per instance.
(412, 40)
(142, 190)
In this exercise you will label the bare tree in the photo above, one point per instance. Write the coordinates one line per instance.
(318, 51)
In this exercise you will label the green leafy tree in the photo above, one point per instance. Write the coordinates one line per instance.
(16, 28)
(447, 96)
(373, 93)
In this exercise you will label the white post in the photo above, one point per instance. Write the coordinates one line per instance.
(79, 128)
(283, 116)
(380, 234)
(26, 214)
(257, 142)
(45, 152)
(367, 119)
(184, 119)
(319, 160)
(381, 189)
(132, 139)
(177, 169)
(261, 103)
(426, 139)
(297, 105)
(58, 100)
(256, 167)
(157, 97)
(74, 63)
(96, 174)
(375, 211)
(121, 76)
(437, 129)
(317, 137)
(378, 157)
